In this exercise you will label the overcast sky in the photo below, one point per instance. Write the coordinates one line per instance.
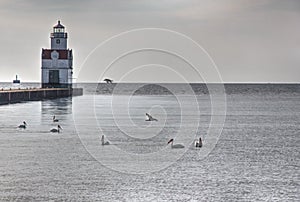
(249, 40)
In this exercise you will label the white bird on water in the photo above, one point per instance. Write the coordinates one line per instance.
(54, 130)
(23, 125)
(175, 146)
(54, 119)
(198, 143)
(103, 142)
(150, 118)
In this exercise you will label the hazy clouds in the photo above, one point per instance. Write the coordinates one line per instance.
(250, 40)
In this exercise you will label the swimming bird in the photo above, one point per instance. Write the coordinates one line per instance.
(175, 146)
(198, 143)
(23, 125)
(102, 141)
(108, 80)
(150, 118)
(54, 119)
(54, 130)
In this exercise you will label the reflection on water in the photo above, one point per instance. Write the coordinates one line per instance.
(60, 108)
(57, 106)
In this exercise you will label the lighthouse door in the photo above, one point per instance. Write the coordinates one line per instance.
(54, 76)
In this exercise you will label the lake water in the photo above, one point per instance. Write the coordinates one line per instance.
(254, 158)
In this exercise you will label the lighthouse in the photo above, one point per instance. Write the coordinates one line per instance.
(57, 62)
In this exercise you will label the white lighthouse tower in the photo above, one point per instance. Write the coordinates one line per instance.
(57, 62)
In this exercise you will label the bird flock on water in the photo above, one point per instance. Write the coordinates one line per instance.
(198, 143)
(53, 130)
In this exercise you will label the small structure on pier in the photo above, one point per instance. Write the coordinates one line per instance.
(16, 80)
(57, 62)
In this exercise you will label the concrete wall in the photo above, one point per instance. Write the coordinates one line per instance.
(65, 76)
(15, 96)
(64, 67)
(56, 63)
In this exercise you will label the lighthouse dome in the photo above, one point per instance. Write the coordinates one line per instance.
(58, 25)
(59, 28)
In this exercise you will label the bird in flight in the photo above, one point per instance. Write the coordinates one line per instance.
(108, 80)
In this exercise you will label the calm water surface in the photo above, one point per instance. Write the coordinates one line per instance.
(255, 159)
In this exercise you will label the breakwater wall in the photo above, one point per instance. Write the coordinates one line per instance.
(188, 88)
(36, 94)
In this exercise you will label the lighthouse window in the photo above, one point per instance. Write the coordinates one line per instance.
(58, 30)
(57, 41)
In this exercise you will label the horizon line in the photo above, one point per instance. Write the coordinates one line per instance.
(231, 82)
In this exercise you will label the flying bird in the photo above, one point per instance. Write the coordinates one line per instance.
(108, 80)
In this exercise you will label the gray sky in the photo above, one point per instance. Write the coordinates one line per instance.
(249, 40)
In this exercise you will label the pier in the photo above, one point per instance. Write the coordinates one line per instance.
(36, 94)
(57, 71)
